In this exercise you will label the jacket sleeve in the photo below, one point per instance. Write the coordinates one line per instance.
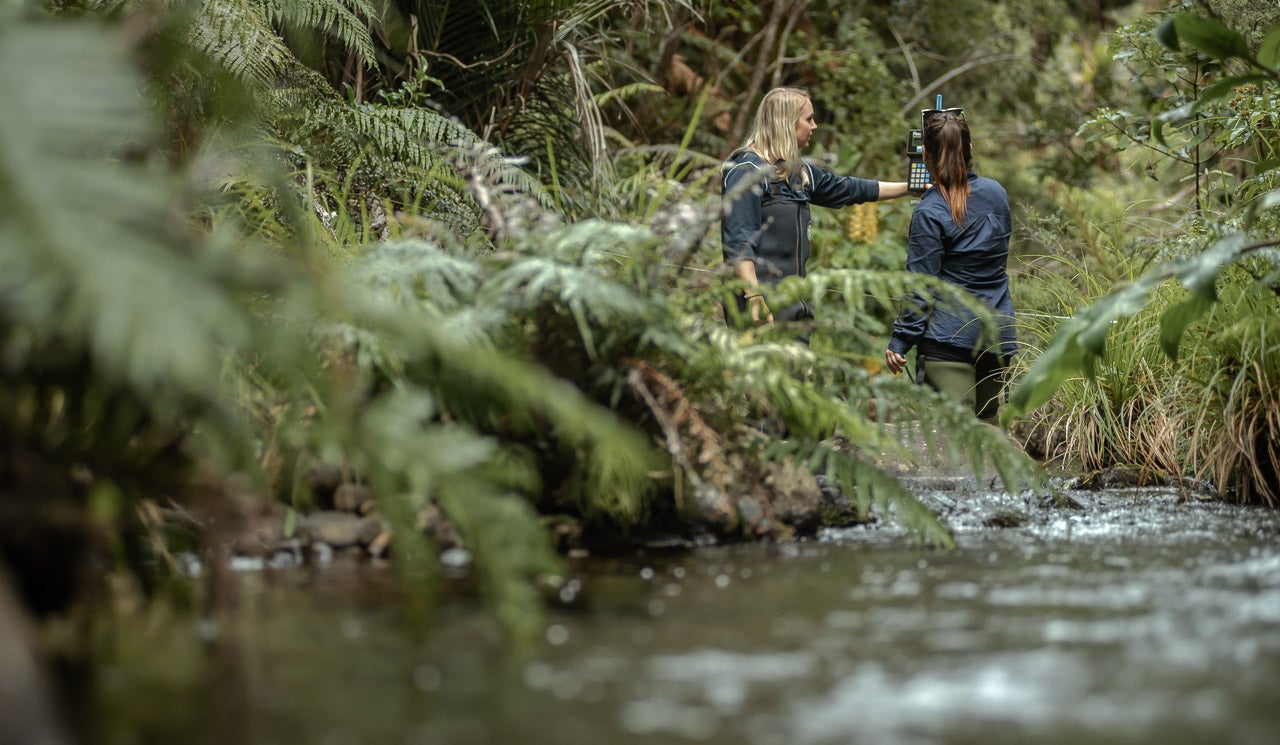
(830, 190)
(924, 256)
(741, 217)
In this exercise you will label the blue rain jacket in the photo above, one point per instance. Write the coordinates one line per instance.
(769, 224)
(973, 256)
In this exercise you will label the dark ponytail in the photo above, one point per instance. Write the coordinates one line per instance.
(948, 157)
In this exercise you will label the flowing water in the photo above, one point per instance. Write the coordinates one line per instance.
(1139, 616)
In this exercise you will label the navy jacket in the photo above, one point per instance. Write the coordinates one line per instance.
(973, 256)
(770, 223)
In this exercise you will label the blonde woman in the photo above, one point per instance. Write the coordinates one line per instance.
(765, 229)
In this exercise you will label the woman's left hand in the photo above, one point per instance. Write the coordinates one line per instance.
(759, 309)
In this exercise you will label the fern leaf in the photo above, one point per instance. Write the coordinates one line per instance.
(340, 19)
(238, 35)
(89, 253)
(419, 271)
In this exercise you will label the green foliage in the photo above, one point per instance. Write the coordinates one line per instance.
(342, 20)
(239, 37)
(1208, 35)
(1234, 421)
(1081, 342)
(132, 339)
(500, 326)
(1196, 424)
(92, 242)
(245, 37)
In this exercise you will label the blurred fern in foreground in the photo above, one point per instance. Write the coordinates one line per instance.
(216, 292)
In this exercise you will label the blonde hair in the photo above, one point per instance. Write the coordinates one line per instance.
(773, 133)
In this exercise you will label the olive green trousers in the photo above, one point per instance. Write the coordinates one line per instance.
(960, 381)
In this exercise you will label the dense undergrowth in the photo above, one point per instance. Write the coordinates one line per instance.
(242, 241)
(1172, 371)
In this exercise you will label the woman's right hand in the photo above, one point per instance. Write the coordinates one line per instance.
(896, 362)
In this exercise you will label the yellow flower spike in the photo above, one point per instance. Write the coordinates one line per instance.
(863, 223)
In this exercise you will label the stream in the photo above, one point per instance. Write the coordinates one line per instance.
(1133, 616)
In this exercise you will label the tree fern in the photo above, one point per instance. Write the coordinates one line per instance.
(243, 35)
(488, 386)
(238, 35)
(423, 272)
(90, 239)
(343, 20)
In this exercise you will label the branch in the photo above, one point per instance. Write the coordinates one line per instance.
(906, 54)
(962, 69)
(770, 35)
(482, 63)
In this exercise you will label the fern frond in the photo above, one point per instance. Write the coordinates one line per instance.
(875, 488)
(419, 460)
(238, 35)
(343, 20)
(492, 169)
(860, 289)
(573, 266)
(304, 102)
(89, 250)
(482, 380)
(591, 300)
(615, 460)
(416, 271)
(514, 203)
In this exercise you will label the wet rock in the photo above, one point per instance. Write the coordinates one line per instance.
(380, 545)
(710, 507)
(754, 519)
(1120, 477)
(320, 481)
(321, 553)
(435, 525)
(835, 509)
(338, 529)
(1005, 519)
(260, 537)
(794, 498)
(1199, 487)
(565, 530)
(1059, 500)
(287, 555)
(355, 498)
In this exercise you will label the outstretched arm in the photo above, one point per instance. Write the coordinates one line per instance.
(891, 190)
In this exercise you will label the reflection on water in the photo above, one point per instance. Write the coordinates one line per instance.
(1138, 619)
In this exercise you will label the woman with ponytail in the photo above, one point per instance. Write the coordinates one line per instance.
(767, 189)
(960, 233)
